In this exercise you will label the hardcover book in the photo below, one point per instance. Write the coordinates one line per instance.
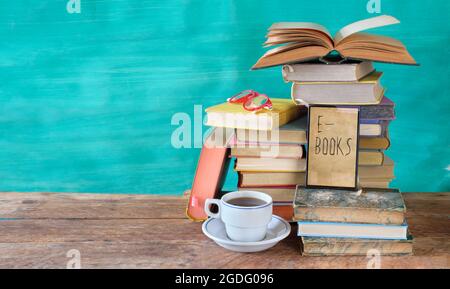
(303, 41)
(233, 115)
(370, 158)
(270, 165)
(293, 132)
(352, 230)
(372, 206)
(375, 143)
(381, 111)
(209, 176)
(269, 151)
(271, 179)
(365, 91)
(313, 246)
(278, 194)
(319, 71)
(381, 183)
(385, 171)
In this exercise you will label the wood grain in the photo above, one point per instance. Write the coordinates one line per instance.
(142, 231)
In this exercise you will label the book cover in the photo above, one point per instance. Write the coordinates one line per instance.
(209, 176)
(233, 115)
(332, 157)
(372, 206)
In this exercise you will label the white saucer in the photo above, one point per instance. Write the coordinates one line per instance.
(277, 230)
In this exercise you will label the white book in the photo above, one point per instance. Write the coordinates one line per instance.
(366, 91)
(352, 230)
(317, 71)
(370, 129)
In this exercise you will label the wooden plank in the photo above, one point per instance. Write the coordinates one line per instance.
(175, 243)
(113, 206)
(188, 254)
(91, 206)
(144, 231)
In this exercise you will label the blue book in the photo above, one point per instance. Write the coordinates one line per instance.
(353, 230)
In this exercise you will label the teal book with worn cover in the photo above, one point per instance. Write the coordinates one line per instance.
(370, 206)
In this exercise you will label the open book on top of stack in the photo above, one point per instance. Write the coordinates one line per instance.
(304, 41)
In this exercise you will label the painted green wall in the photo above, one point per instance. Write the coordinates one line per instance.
(86, 100)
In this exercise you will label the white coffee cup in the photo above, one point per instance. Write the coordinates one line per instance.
(243, 223)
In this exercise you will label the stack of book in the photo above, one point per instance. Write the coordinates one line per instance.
(268, 147)
(351, 84)
(338, 221)
(274, 164)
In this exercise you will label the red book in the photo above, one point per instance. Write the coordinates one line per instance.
(210, 175)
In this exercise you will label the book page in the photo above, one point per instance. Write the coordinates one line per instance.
(362, 25)
(300, 25)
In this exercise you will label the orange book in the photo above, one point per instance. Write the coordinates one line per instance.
(210, 175)
(284, 210)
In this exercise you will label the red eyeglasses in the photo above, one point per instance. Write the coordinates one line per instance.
(251, 100)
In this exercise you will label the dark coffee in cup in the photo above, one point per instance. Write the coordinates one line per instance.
(246, 202)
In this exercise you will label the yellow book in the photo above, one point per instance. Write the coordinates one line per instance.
(233, 115)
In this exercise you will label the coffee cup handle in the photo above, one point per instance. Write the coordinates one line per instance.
(208, 204)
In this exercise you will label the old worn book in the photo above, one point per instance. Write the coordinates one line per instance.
(319, 71)
(233, 115)
(377, 112)
(370, 158)
(368, 90)
(352, 230)
(293, 132)
(269, 151)
(304, 41)
(374, 183)
(313, 246)
(375, 143)
(385, 171)
(271, 179)
(373, 206)
(270, 165)
(278, 194)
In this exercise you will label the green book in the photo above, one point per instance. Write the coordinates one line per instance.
(370, 206)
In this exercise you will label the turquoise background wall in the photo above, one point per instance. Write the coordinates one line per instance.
(86, 100)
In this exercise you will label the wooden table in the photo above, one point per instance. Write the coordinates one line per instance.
(141, 231)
